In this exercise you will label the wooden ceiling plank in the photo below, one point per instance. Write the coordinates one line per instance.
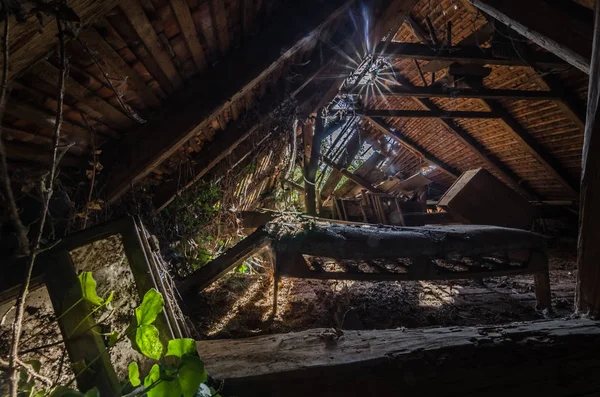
(471, 143)
(359, 180)
(30, 42)
(188, 29)
(441, 92)
(470, 54)
(118, 66)
(526, 141)
(145, 31)
(547, 26)
(413, 147)
(46, 72)
(219, 22)
(236, 76)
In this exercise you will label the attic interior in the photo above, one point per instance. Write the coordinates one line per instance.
(282, 198)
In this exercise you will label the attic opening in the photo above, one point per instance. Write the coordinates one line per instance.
(281, 198)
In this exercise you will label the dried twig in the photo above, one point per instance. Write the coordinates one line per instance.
(47, 191)
(4, 366)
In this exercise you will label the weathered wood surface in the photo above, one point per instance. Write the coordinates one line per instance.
(551, 358)
(349, 242)
(213, 270)
(441, 92)
(359, 180)
(412, 146)
(190, 110)
(470, 54)
(480, 198)
(547, 26)
(436, 114)
(588, 248)
(29, 42)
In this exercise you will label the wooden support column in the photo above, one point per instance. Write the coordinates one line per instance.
(587, 298)
(82, 337)
(313, 136)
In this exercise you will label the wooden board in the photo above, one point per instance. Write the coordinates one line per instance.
(553, 358)
(480, 198)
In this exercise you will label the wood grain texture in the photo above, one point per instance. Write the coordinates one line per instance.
(188, 29)
(144, 29)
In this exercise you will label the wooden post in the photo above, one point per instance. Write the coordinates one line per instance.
(82, 337)
(587, 299)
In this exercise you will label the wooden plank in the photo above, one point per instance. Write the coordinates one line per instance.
(588, 250)
(391, 19)
(190, 111)
(522, 136)
(476, 191)
(412, 146)
(469, 54)
(144, 29)
(219, 22)
(248, 16)
(215, 269)
(97, 107)
(435, 114)
(547, 26)
(360, 243)
(188, 29)
(118, 66)
(359, 180)
(496, 360)
(29, 41)
(82, 336)
(442, 92)
(20, 152)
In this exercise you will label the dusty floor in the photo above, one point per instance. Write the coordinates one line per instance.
(240, 305)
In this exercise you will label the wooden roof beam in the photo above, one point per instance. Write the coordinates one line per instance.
(522, 136)
(413, 147)
(30, 41)
(546, 25)
(436, 114)
(359, 180)
(466, 139)
(209, 94)
(471, 54)
(441, 92)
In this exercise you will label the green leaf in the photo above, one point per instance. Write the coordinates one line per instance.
(92, 393)
(146, 337)
(134, 374)
(35, 364)
(179, 347)
(151, 306)
(191, 374)
(62, 391)
(88, 289)
(161, 387)
(113, 338)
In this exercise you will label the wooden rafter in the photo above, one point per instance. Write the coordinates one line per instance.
(29, 42)
(524, 138)
(435, 114)
(351, 150)
(471, 54)
(144, 29)
(359, 180)
(207, 96)
(547, 26)
(466, 139)
(413, 147)
(219, 23)
(484, 93)
(188, 29)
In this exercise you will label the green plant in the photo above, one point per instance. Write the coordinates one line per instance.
(177, 373)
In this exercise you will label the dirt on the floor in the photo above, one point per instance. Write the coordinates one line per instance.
(240, 305)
